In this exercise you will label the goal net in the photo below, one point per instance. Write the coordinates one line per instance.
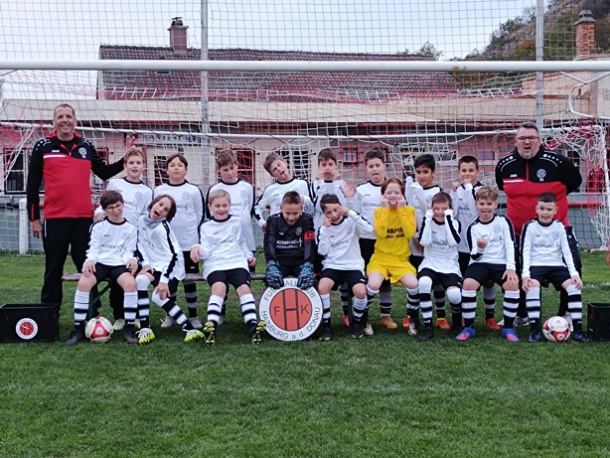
(165, 109)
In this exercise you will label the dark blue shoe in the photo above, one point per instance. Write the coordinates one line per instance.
(581, 337)
(535, 337)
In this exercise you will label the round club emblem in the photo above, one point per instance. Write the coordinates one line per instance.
(26, 328)
(289, 312)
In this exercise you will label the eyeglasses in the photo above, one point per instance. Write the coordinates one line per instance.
(531, 138)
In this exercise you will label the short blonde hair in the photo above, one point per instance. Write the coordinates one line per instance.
(218, 194)
(487, 193)
(134, 151)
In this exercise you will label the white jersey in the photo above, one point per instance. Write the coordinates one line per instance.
(500, 237)
(318, 189)
(274, 193)
(465, 210)
(189, 211)
(545, 245)
(242, 205)
(440, 242)
(339, 243)
(420, 198)
(136, 196)
(160, 249)
(112, 244)
(222, 246)
(366, 201)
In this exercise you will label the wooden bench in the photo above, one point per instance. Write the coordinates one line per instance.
(191, 277)
(93, 299)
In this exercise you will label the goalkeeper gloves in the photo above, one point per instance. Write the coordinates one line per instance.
(306, 276)
(273, 275)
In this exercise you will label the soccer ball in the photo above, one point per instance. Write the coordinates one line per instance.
(98, 329)
(556, 329)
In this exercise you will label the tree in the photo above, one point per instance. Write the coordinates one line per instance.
(428, 50)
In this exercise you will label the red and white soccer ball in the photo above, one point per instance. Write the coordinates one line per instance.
(556, 329)
(98, 329)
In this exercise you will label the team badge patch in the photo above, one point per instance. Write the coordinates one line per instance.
(26, 328)
(83, 152)
(289, 312)
(541, 174)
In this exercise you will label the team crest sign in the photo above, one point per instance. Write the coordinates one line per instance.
(289, 312)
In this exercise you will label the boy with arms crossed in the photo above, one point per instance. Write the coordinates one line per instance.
(491, 240)
(338, 242)
(546, 256)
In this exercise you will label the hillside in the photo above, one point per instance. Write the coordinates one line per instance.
(515, 39)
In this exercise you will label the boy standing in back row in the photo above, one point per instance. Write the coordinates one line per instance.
(465, 211)
(273, 194)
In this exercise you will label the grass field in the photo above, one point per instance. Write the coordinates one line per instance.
(386, 395)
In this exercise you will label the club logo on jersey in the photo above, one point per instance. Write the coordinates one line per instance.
(138, 195)
(83, 152)
(298, 231)
(185, 197)
(243, 194)
(290, 313)
(541, 174)
(26, 328)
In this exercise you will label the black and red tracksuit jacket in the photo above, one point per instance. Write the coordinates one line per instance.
(65, 168)
(524, 180)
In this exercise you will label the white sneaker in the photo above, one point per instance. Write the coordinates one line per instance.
(368, 329)
(119, 324)
(412, 328)
(521, 321)
(196, 322)
(167, 322)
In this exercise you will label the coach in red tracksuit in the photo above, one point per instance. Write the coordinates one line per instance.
(529, 171)
(64, 161)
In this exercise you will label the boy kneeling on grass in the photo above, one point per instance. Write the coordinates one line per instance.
(112, 244)
(226, 259)
(546, 256)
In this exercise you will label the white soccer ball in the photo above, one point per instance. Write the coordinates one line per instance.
(98, 329)
(556, 329)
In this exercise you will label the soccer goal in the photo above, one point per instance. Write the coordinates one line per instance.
(448, 78)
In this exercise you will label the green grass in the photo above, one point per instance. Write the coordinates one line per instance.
(388, 395)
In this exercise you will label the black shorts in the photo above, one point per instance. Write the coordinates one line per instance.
(553, 274)
(290, 270)
(464, 260)
(351, 277)
(235, 277)
(103, 271)
(416, 260)
(172, 285)
(482, 272)
(367, 248)
(190, 267)
(439, 278)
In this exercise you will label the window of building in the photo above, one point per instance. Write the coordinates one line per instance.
(14, 171)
